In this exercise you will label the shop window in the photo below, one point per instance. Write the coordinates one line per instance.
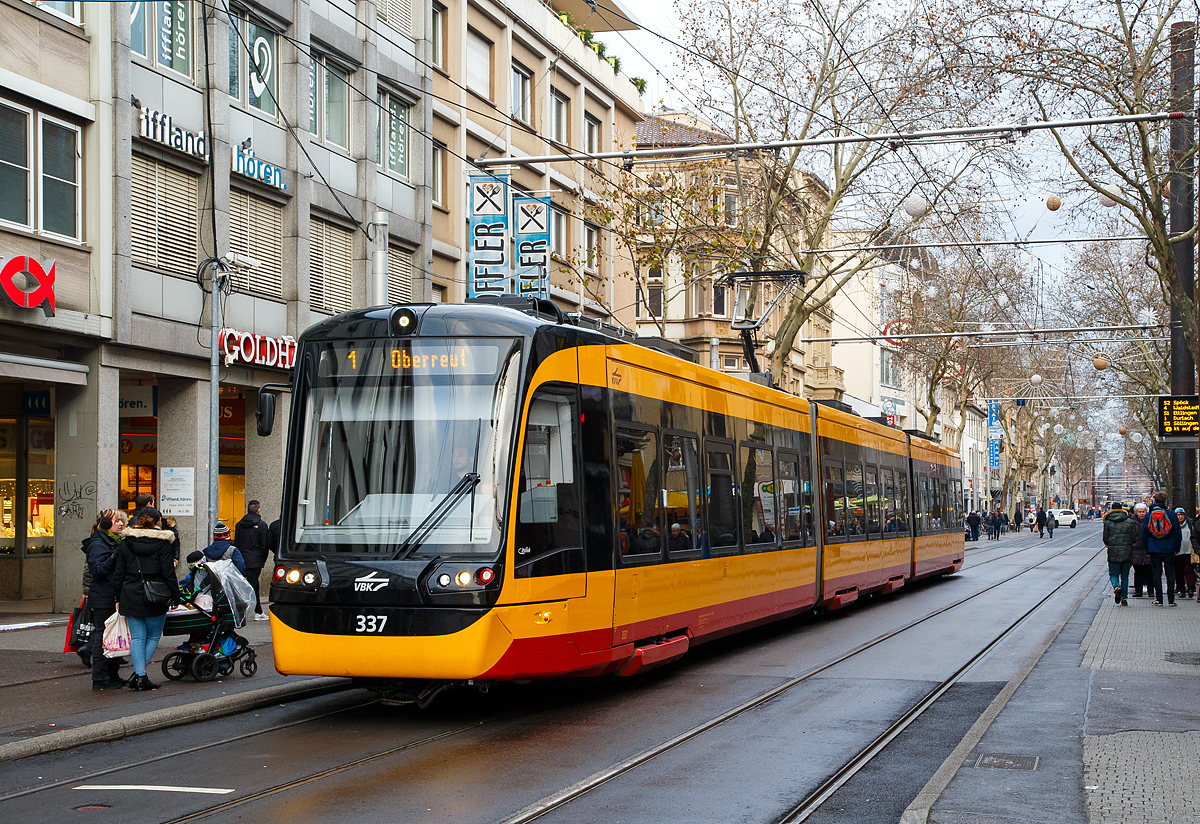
(392, 135)
(758, 497)
(256, 230)
(637, 463)
(681, 492)
(548, 511)
(252, 61)
(329, 260)
(8, 487)
(165, 40)
(27, 502)
(164, 229)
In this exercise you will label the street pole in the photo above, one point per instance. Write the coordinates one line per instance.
(214, 391)
(1183, 208)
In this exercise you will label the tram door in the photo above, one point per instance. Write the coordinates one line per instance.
(549, 559)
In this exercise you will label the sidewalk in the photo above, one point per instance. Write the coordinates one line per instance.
(44, 691)
(1109, 714)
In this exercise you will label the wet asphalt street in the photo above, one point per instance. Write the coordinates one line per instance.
(486, 758)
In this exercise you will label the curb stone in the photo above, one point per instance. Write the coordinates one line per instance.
(170, 717)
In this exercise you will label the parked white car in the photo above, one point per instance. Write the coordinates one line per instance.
(1065, 517)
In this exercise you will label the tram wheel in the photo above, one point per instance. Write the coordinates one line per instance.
(175, 665)
(204, 666)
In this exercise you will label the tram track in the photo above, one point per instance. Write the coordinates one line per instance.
(564, 796)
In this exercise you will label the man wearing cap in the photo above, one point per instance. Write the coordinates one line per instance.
(222, 547)
(252, 538)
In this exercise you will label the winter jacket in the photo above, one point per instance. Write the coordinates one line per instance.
(275, 535)
(1120, 532)
(217, 549)
(250, 536)
(1168, 545)
(973, 520)
(1140, 556)
(144, 554)
(1195, 525)
(1041, 518)
(101, 551)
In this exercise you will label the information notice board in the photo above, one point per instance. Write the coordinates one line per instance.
(1178, 416)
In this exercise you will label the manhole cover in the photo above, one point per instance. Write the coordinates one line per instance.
(1192, 658)
(1003, 761)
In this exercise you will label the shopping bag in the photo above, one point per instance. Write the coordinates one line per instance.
(117, 639)
(79, 628)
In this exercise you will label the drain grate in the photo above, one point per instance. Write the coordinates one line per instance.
(1192, 658)
(1003, 761)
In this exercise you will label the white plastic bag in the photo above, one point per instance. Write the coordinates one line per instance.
(237, 589)
(117, 639)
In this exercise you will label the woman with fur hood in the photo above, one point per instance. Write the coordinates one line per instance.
(145, 555)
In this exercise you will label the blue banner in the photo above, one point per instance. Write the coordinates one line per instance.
(993, 415)
(994, 454)
(488, 267)
(531, 217)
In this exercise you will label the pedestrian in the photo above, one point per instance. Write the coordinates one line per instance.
(1051, 524)
(1119, 532)
(1017, 521)
(252, 537)
(143, 500)
(1185, 576)
(1162, 536)
(144, 562)
(222, 548)
(1141, 558)
(100, 547)
(170, 525)
(1041, 522)
(1003, 523)
(274, 535)
(973, 521)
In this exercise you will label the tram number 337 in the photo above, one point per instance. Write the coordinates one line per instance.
(370, 623)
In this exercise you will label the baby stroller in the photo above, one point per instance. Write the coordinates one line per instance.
(213, 647)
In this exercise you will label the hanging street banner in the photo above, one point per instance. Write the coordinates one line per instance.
(994, 454)
(994, 430)
(531, 216)
(488, 269)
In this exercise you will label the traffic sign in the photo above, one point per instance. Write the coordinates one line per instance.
(1178, 416)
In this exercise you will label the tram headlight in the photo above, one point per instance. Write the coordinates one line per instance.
(463, 578)
(444, 579)
(293, 576)
(404, 322)
(310, 578)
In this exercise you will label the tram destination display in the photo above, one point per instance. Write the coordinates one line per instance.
(1179, 418)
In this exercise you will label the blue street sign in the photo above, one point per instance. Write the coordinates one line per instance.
(1020, 401)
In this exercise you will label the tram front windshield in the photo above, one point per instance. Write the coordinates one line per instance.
(391, 429)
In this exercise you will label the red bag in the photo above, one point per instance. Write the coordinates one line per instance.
(1160, 524)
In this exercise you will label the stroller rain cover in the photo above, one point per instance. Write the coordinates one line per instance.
(237, 589)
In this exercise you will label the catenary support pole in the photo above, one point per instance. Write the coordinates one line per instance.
(377, 285)
(214, 399)
(1183, 209)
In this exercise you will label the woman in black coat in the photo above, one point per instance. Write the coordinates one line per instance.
(101, 550)
(145, 555)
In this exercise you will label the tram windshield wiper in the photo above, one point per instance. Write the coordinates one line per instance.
(436, 515)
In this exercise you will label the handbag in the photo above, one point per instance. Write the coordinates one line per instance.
(156, 593)
(82, 626)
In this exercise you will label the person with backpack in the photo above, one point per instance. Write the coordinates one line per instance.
(1162, 537)
(1119, 533)
(1051, 524)
(223, 548)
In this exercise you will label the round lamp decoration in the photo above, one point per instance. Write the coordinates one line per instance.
(1058, 429)
(1053, 203)
(1108, 196)
(1002, 300)
(1035, 379)
(1122, 431)
(1137, 437)
(915, 206)
(1100, 362)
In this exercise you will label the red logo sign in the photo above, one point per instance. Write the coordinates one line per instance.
(41, 295)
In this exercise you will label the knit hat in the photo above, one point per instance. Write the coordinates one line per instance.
(194, 557)
(220, 532)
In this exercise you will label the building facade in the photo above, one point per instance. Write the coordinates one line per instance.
(140, 144)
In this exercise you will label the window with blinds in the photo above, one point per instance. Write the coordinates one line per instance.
(399, 275)
(330, 264)
(479, 64)
(164, 216)
(397, 14)
(256, 230)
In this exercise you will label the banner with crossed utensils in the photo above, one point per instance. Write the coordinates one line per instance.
(532, 216)
(488, 267)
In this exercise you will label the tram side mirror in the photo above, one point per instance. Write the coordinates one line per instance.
(264, 416)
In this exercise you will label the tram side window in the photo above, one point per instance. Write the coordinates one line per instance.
(758, 497)
(722, 501)
(871, 500)
(790, 511)
(806, 494)
(901, 501)
(856, 518)
(947, 507)
(923, 504)
(681, 492)
(888, 478)
(835, 502)
(639, 485)
(548, 515)
(958, 505)
(935, 500)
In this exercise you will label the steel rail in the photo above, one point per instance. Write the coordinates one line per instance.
(598, 779)
(813, 801)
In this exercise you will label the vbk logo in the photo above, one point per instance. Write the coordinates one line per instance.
(369, 583)
(15, 277)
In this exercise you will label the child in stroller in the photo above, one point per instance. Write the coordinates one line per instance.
(209, 618)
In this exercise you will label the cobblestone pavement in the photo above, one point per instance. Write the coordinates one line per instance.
(1142, 777)
(1137, 638)
(1136, 776)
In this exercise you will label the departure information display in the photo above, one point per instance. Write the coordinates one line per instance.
(1178, 416)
